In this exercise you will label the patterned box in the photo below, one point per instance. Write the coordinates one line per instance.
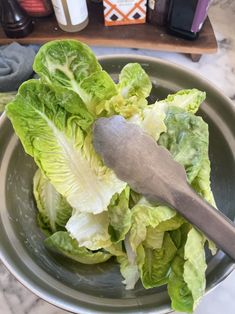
(120, 12)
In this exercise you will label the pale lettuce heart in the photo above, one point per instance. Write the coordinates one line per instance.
(151, 120)
(62, 150)
(91, 231)
(129, 272)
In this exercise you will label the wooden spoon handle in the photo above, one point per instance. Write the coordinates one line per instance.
(210, 221)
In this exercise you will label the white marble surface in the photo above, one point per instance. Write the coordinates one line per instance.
(219, 69)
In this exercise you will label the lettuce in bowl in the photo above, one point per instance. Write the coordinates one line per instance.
(85, 211)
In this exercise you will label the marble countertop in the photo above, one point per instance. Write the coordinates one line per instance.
(220, 70)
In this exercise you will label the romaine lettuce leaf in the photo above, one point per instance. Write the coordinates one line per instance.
(119, 216)
(154, 238)
(115, 249)
(144, 215)
(90, 230)
(186, 283)
(53, 207)
(69, 100)
(43, 224)
(187, 139)
(171, 224)
(61, 242)
(61, 149)
(73, 65)
(187, 99)
(195, 265)
(65, 62)
(96, 90)
(154, 264)
(201, 182)
(134, 81)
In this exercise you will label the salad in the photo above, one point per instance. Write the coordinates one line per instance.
(85, 211)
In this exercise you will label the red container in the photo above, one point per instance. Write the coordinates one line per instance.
(37, 7)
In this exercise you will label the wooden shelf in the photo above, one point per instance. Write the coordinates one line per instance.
(133, 36)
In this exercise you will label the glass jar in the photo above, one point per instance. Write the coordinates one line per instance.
(71, 15)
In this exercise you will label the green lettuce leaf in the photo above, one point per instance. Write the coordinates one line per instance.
(187, 139)
(90, 230)
(95, 90)
(171, 224)
(186, 284)
(43, 224)
(195, 265)
(187, 99)
(145, 215)
(69, 100)
(154, 264)
(119, 216)
(154, 238)
(134, 81)
(61, 242)
(71, 64)
(134, 198)
(115, 249)
(202, 183)
(65, 63)
(54, 208)
(61, 149)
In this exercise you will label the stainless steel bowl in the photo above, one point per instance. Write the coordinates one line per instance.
(98, 289)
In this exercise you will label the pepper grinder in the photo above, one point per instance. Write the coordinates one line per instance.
(15, 21)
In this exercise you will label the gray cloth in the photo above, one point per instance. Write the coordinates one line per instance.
(15, 66)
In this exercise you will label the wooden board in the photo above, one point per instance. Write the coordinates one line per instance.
(134, 36)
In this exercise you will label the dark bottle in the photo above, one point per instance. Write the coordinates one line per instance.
(15, 21)
(186, 17)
